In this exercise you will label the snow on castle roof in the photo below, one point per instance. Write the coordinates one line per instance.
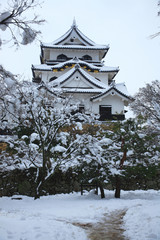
(63, 78)
(75, 60)
(78, 90)
(81, 62)
(96, 47)
(119, 88)
(88, 43)
(99, 88)
(74, 27)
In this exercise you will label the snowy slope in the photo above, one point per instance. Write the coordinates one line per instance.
(52, 217)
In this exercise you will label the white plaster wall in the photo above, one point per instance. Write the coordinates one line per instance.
(115, 102)
(73, 53)
(46, 75)
(102, 76)
(83, 99)
(46, 53)
(73, 35)
(76, 83)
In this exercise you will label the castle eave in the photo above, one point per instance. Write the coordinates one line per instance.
(76, 47)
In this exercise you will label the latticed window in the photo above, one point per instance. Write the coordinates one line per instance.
(87, 57)
(62, 57)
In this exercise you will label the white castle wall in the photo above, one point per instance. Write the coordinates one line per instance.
(115, 102)
(72, 53)
(102, 76)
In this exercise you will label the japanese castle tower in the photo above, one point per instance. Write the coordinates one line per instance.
(74, 64)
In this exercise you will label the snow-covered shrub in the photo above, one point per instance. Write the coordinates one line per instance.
(39, 120)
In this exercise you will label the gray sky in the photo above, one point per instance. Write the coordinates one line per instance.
(123, 24)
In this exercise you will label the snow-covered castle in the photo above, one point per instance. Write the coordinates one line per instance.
(74, 63)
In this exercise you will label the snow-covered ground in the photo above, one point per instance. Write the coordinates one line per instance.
(54, 217)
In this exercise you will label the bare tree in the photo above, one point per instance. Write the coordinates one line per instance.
(21, 28)
(147, 102)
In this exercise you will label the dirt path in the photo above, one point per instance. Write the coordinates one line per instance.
(110, 228)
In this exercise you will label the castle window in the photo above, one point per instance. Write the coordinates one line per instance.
(81, 108)
(86, 57)
(52, 79)
(105, 112)
(37, 79)
(62, 57)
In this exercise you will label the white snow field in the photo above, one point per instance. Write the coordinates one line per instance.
(53, 217)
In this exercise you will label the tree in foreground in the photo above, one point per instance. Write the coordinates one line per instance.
(93, 159)
(110, 151)
(139, 147)
(48, 135)
(38, 120)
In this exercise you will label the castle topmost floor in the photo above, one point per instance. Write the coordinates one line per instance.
(73, 43)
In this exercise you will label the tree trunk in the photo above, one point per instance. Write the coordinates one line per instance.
(102, 191)
(42, 173)
(37, 196)
(39, 182)
(118, 187)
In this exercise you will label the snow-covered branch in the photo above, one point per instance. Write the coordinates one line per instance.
(14, 18)
(147, 103)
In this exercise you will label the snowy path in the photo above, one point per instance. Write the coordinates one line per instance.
(110, 227)
(57, 217)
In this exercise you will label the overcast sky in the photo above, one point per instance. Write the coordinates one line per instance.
(126, 25)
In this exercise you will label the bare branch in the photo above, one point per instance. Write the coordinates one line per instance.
(14, 17)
